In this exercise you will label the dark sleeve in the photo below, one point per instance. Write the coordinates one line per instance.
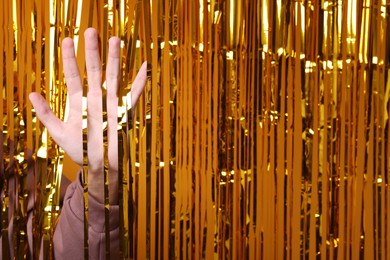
(11, 184)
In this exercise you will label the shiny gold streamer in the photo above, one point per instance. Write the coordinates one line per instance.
(262, 134)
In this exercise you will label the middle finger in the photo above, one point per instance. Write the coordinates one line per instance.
(94, 98)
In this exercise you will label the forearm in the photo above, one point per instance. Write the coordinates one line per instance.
(96, 186)
(69, 235)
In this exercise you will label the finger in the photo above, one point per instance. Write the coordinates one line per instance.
(53, 124)
(112, 71)
(94, 77)
(112, 78)
(92, 59)
(138, 84)
(73, 80)
(94, 99)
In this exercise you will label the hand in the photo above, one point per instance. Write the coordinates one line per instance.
(68, 135)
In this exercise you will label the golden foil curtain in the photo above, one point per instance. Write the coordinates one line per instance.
(263, 132)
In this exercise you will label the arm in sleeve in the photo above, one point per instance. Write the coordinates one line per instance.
(69, 233)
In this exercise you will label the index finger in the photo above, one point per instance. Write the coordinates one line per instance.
(72, 76)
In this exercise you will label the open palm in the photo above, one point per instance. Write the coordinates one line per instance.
(68, 134)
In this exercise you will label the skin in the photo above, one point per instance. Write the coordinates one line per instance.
(68, 134)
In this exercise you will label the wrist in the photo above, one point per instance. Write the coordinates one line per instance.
(95, 183)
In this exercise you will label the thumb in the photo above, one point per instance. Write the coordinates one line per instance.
(46, 115)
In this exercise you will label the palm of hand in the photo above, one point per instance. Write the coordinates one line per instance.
(68, 135)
